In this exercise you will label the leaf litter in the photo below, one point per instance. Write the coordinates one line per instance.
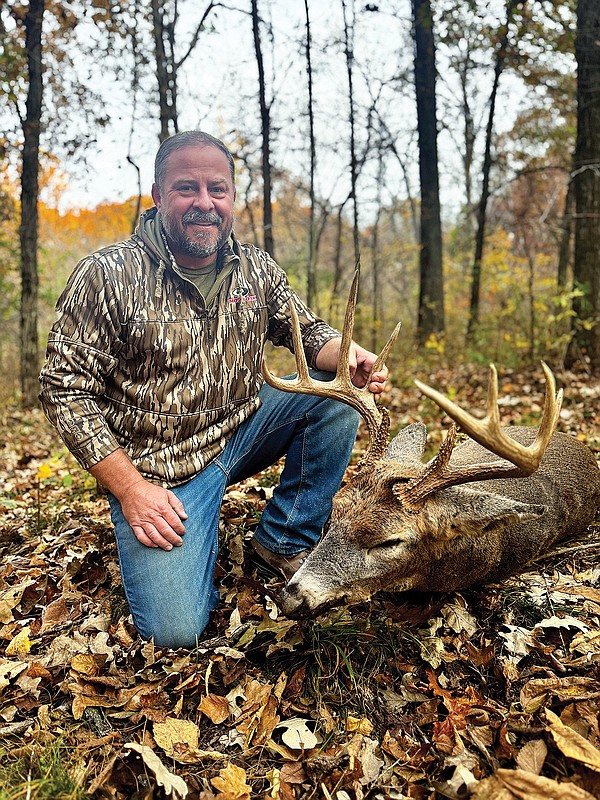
(489, 693)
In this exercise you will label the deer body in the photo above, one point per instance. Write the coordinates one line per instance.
(459, 536)
(475, 513)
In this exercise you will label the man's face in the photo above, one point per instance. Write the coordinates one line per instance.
(196, 203)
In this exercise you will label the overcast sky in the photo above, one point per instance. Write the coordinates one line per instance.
(218, 93)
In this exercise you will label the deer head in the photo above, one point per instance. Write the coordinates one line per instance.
(393, 523)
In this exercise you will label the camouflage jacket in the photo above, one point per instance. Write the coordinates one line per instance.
(136, 359)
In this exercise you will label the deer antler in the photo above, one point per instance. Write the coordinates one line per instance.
(523, 460)
(341, 387)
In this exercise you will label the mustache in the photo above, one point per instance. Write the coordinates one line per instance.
(200, 217)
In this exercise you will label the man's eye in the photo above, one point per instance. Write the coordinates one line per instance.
(218, 190)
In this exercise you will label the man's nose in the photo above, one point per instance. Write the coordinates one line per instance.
(203, 200)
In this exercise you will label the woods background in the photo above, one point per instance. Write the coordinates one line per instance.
(454, 146)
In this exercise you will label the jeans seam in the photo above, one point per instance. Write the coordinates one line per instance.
(256, 442)
(293, 511)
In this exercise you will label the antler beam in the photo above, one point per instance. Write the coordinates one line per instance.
(488, 433)
(341, 387)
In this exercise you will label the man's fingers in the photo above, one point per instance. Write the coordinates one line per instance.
(140, 535)
(176, 504)
(155, 516)
(159, 535)
(173, 519)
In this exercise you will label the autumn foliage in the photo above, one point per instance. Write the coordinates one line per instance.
(491, 693)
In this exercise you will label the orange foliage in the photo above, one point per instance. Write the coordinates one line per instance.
(88, 229)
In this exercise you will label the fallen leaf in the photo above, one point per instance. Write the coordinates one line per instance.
(179, 739)
(358, 725)
(532, 755)
(11, 598)
(572, 744)
(519, 641)
(562, 622)
(231, 784)
(89, 664)
(20, 645)
(298, 733)
(172, 784)
(215, 707)
(526, 786)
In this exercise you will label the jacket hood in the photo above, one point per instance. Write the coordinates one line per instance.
(150, 232)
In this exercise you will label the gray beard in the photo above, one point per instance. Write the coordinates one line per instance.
(193, 247)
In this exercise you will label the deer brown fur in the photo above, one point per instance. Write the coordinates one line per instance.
(462, 535)
(476, 513)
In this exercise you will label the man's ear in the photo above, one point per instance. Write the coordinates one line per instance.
(156, 196)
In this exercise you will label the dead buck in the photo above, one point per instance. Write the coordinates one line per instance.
(400, 524)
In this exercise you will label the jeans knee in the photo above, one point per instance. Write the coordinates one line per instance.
(343, 416)
(175, 628)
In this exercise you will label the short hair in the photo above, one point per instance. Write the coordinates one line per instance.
(187, 139)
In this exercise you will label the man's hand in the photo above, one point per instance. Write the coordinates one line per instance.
(155, 514)
(360, 363)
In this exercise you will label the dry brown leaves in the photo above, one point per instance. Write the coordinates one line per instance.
(493, 693)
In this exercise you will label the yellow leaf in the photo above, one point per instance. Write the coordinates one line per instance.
(44, 471)
(179, 739)
(21, 644)
(572, 744)
(88, 664)
(231, 784)
(175, 731)
(362, 725)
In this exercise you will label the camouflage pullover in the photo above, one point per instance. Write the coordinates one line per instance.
(137, 360)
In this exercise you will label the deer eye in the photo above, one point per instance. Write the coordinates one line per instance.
(386, 544)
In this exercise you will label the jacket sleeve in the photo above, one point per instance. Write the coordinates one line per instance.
(82, 350)
(315, 332)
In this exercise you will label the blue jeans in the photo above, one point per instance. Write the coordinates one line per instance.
(171, 593)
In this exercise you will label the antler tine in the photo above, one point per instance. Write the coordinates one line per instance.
(488, 431)
(439, 474)
(382, 357)
(341, 387)
(343, 368)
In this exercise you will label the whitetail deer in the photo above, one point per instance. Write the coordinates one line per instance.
(399, 524)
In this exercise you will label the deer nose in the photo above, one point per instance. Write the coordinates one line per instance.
(291, 603)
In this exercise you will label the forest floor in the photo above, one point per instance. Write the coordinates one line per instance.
(490, 693)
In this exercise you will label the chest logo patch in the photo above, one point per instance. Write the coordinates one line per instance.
(242, 294)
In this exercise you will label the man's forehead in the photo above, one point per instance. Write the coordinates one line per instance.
(198, 157)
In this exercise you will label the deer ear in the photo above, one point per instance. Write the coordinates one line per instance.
(409, 444)
(460, 511)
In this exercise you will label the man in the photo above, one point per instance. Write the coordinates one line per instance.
(153, 379)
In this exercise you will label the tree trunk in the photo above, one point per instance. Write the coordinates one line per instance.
(349, 52)
(311, 272)
(163, 33)
(564, 253)
(485, 182)
(265, 126)
(28, 231)
(337, 264)
(376, 304)
(586, 342)
(431, 291)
